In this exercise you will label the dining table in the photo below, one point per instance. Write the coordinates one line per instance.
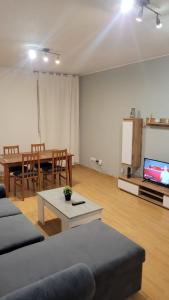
(10, 160)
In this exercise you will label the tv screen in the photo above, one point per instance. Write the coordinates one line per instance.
(156, 171)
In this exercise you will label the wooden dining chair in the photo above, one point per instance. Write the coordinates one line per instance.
(59, 168)
(60, 165)
(30, 173)
(12, 150)
(37, 147)
(40, 148)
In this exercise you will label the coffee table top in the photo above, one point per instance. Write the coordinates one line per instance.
(56, 198)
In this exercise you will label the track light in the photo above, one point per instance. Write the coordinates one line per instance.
(32, 54)
(158, 22)
(46, 53)
(139, 18)
(45, 58)
(57, 61)
(127, 5)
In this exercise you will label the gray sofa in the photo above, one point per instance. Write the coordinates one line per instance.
(92, 261)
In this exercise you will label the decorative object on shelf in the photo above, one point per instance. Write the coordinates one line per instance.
(132, 112)
(163, 120)
(67, 192)
(128, 172)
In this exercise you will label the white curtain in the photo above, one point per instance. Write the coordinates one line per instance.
(59, 112)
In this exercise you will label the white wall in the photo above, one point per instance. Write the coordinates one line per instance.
(18, 109)
(107, 97)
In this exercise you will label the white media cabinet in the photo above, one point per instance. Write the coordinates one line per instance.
(146, 190)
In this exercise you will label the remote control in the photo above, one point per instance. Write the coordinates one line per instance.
(77, 203)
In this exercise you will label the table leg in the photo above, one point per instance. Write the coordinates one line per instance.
(64, 225)
(6, 178)
(41, 210)
(70, 170)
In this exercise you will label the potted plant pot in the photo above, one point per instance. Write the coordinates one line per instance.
(67, 192)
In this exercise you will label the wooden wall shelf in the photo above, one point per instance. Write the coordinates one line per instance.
(158, 124)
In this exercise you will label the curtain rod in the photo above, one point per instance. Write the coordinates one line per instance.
(52, 73)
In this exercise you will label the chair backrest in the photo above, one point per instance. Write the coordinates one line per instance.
(37, 147)
(59, 159)
(14, 149)
(30, 165)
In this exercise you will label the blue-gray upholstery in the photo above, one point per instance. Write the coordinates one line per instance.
(74, 283)
(7, 208)
(48, 270)
(115, 261)
(15, 232)
(2, 191)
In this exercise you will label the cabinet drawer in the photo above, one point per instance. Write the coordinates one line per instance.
(128, 187)
(166, 201)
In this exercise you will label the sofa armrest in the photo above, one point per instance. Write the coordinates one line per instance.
(76, 282)
(2, 191)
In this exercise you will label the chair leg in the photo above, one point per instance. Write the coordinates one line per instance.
(9, 183)
(54, 178)
(14, 186)
(23, 190)
(28, 184)
(59, 179)
(33, 185)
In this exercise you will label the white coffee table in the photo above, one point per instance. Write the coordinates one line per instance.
(70, 215)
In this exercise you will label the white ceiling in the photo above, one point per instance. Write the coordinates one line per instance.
(91, 35)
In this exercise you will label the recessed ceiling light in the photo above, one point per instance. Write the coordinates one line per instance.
(32, 54)
(127, 5)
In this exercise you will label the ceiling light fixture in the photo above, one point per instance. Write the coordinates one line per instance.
(139, 18)
(158, 22)
(127, 5)
(46, 55)
(45, 58)
(146, 4)
(57, 61)
(32, 54)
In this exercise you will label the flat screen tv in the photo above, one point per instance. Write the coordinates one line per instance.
(156, 171)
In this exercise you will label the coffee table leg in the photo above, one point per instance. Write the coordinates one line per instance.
(65, 225)
(41, 210)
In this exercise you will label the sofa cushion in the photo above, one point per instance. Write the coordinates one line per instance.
(103, 249)
(74, 283)
(7, 208)
(17, 231)
(2, 191)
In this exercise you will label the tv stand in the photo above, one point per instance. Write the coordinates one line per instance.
(145, 180)
(145, 190)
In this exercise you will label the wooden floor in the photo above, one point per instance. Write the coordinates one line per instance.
(141, 221)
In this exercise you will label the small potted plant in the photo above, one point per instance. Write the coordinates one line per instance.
(67, 192)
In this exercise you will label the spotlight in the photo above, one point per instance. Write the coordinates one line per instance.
(139, 18)
(158, 22)
(45, 58)
(57, 61)
(127, 5)
(32, 54)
